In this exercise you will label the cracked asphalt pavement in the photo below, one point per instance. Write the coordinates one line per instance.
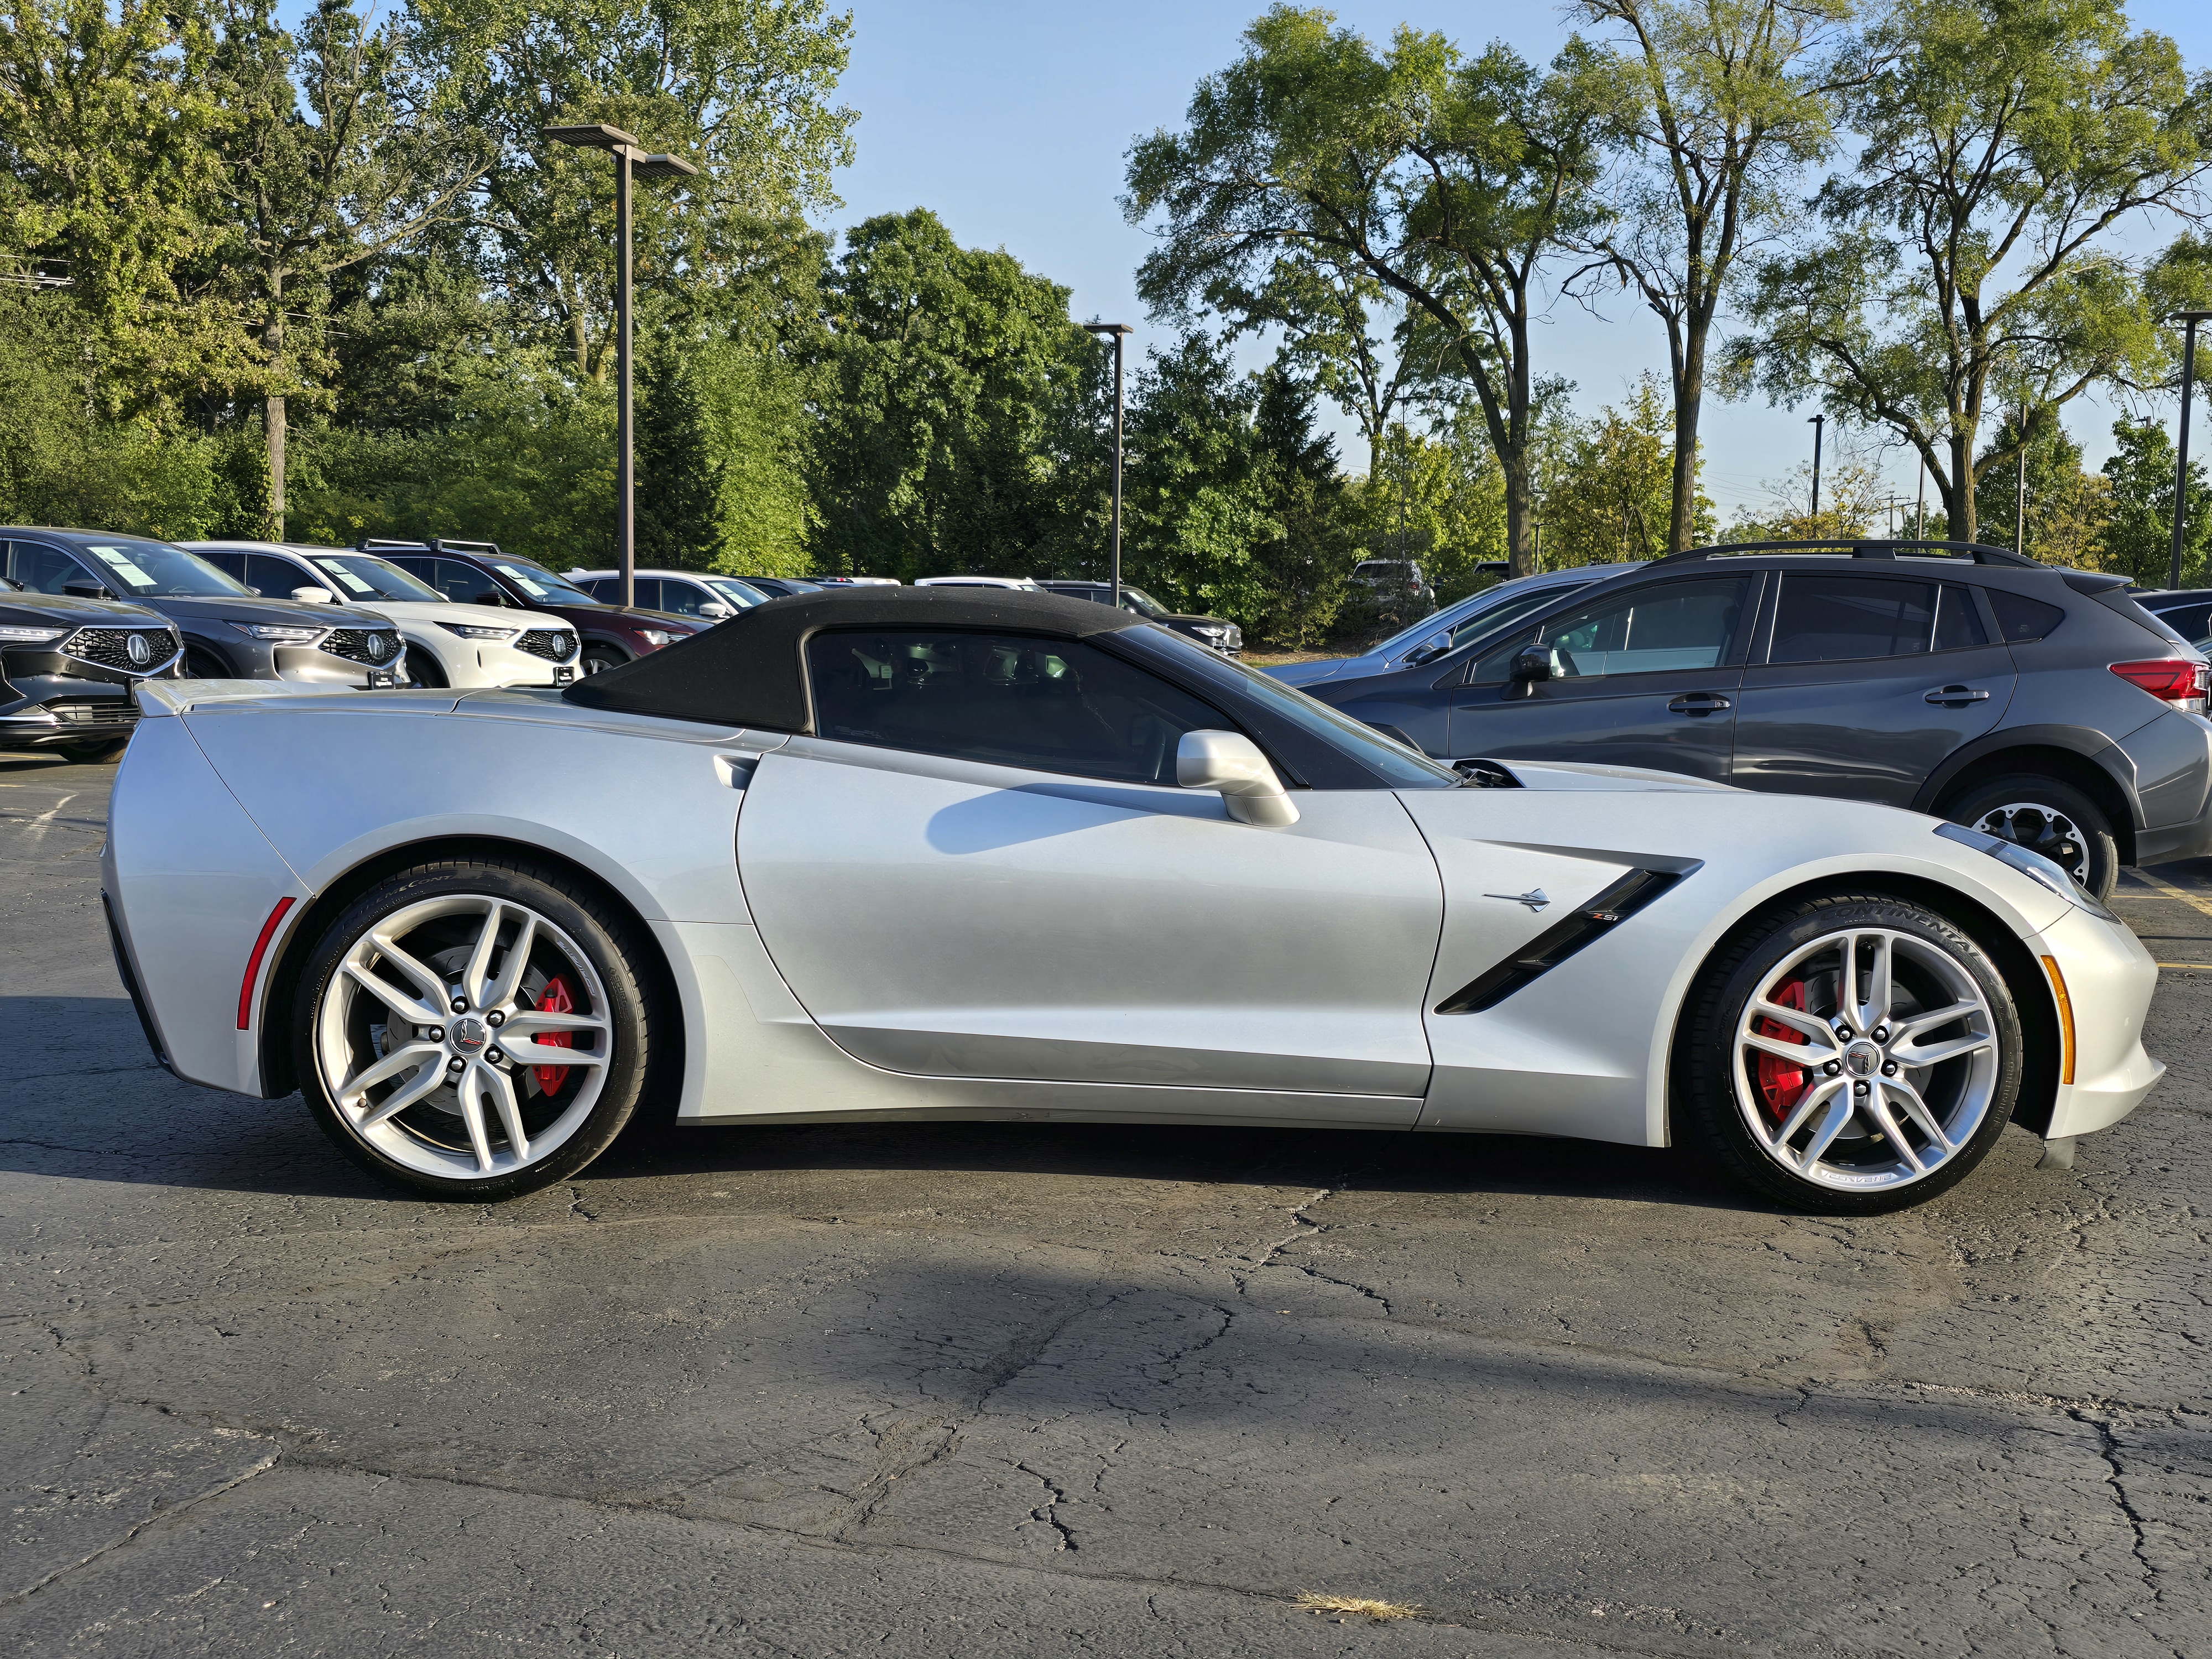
(979, 1391)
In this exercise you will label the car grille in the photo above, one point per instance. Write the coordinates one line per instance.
(110, 647)
(554, 644)
(108, 712)
(362, 645)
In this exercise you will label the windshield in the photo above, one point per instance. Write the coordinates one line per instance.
(361, 577)
(539, 583)
(737, 592)
(1136, 599)
(1398, 767)
(141, 571)
(1494, 608)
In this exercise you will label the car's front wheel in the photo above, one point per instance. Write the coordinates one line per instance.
(474, 1030)
(598, 658)
(1850, 1055)
(95, 754)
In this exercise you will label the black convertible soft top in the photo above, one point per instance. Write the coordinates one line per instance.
(749, 670)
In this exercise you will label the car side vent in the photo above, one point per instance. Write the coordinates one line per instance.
(1559, 941)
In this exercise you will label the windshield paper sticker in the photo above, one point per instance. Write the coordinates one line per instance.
(533, 589)
(345, 575)
(121, 561)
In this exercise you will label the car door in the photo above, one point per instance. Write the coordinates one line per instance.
(981, 868)
(1648, 678)
(1866, 682)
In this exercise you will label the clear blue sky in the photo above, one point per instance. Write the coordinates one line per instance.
(1012, 120)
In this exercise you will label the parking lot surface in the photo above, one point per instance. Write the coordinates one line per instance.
(978, 1390)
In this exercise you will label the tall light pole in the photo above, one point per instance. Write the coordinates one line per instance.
(2189, 320)
(1820, 424)
(1920, 506)
(630, 162)
(2019, 501)
(1121, 331)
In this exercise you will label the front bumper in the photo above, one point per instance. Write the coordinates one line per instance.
(2110, 979)
(52, 710)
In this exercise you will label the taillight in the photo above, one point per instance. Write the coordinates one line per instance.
(2177, 680)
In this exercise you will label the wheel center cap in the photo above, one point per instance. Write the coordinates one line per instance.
(1862, 1059)
(470, 1034)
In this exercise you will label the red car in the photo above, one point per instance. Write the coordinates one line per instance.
(477, 573)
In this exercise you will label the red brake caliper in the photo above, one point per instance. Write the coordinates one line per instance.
(554, 999)
(1780, 1083)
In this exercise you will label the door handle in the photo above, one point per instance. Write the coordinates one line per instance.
(1957, 696)
(1700, 702)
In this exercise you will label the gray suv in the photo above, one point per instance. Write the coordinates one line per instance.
(2041, 705)
(229, 631)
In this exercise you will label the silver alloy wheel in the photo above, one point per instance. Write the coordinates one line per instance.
(432, 1042)
(2040, 827)
(1867, 1059)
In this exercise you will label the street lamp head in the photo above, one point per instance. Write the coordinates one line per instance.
(2190, 317)
(661, 167)
(1107, 328)
(597, 135)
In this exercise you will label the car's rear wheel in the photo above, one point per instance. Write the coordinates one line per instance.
(2047, 816)
(1850, 1054)
(474, 1030)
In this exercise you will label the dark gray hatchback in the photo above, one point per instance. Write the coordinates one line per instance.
(2040, 704)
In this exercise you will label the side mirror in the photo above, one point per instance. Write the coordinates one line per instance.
(84, 590)
(1430, 649)
(1232, 763)
(312, 595)
(1533, 663)
(715, 610)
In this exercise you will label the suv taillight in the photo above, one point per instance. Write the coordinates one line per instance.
(2177, 680)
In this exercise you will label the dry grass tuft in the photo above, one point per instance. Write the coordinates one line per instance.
(1358, 1606)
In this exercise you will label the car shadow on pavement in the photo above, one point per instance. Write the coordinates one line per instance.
(81, 1096)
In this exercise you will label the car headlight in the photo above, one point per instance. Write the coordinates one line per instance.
(283, 634)
(472, 631)
(30, 635)
(2036, 867)
(655, 636)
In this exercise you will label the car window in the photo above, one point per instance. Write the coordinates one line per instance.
(1830, 618)
(1503, 614)
(685, 598)
(360, 576)
(1009, 699)
(2190, 620)
(541, 584)
(2019, 618)
(42, 569)
(1958, 619)
(732, 591)
(140, 569)
(1657, 628)
(465, 584)
(275, 577)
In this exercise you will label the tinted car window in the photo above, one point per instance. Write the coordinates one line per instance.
(463, 584)
(2019, 618)
(2187, 620)
(1009, 699)
(1958, 620)
(140, 569)
(1837, 619)
(359, 576)
(275, 577)
(42, 569)
(685, 598)
(1662, 627)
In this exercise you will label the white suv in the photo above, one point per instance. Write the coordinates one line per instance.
(447, 644)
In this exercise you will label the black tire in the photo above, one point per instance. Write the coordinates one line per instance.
(1715, 1099)
(617, 955)
(423, 671)
(201, 664)
(597, 659)
(2058, 821)
(95, 754)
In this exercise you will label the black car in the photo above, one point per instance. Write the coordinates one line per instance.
(478, 573)
(1212, 632)
(230, 632)
(67, 666)
(2038, 704)
(2186, 610)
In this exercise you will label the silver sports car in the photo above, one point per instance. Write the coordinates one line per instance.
(1001, 855)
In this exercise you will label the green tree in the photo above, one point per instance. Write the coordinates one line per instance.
(1609, 496)
(742, 89)
(1717, 104)
(956, 420)
(2138, 537)
(680, 476)
(1196, 495)
(1968, 261)
(1450, 181)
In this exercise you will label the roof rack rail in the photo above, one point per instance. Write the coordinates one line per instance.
(433, 543)
(1858, 547)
